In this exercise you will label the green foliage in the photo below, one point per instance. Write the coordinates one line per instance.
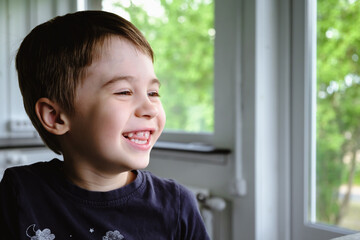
(338, 103)
(183, 41)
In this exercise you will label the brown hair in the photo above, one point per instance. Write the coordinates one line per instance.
(54, 56)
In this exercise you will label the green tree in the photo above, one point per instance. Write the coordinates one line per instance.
(182, 38)
(338, 104)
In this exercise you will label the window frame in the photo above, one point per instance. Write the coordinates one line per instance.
(303, 122)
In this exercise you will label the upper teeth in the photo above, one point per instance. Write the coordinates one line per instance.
(143, 134)
(139, 134)
(138, 137)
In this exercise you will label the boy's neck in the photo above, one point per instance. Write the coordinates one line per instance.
(92, 180)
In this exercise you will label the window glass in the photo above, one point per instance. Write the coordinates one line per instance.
(336, 199)
(181, 33)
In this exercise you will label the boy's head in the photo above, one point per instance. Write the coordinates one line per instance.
(53, 59)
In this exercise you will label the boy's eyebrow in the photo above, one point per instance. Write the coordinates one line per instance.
(156, 81)
(129, 79)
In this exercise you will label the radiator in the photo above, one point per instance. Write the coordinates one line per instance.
(208, 206)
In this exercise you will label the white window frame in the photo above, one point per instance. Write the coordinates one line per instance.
(303, 123)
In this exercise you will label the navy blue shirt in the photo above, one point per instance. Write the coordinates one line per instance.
(38, 203)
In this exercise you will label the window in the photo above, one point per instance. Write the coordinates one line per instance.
(182, 34)
(325, 87)
(336, 199)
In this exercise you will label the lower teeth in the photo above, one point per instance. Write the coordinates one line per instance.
(138, 141)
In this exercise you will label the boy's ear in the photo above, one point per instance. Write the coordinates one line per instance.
(51, 116)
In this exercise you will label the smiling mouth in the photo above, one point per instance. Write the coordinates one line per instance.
(139, 137)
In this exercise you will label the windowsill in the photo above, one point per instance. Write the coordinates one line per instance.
(23, 142)
(194, 152)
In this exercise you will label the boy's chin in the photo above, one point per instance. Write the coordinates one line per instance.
(141, 163)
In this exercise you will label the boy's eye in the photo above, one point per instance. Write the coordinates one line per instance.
(154, 94)
(124, 93)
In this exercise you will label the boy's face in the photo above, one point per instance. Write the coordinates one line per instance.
(118, 113)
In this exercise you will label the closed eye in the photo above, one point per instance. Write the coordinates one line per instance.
(124, 93)
(154, 94)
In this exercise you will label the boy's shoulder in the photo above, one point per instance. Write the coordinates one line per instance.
(163, 184)
(33, 170)
(167, 189)
(27, 179)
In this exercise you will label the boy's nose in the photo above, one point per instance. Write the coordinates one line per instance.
(146, 109)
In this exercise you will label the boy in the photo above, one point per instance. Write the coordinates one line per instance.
(89, 88)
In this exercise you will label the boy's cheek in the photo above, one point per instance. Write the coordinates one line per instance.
(163, 120)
